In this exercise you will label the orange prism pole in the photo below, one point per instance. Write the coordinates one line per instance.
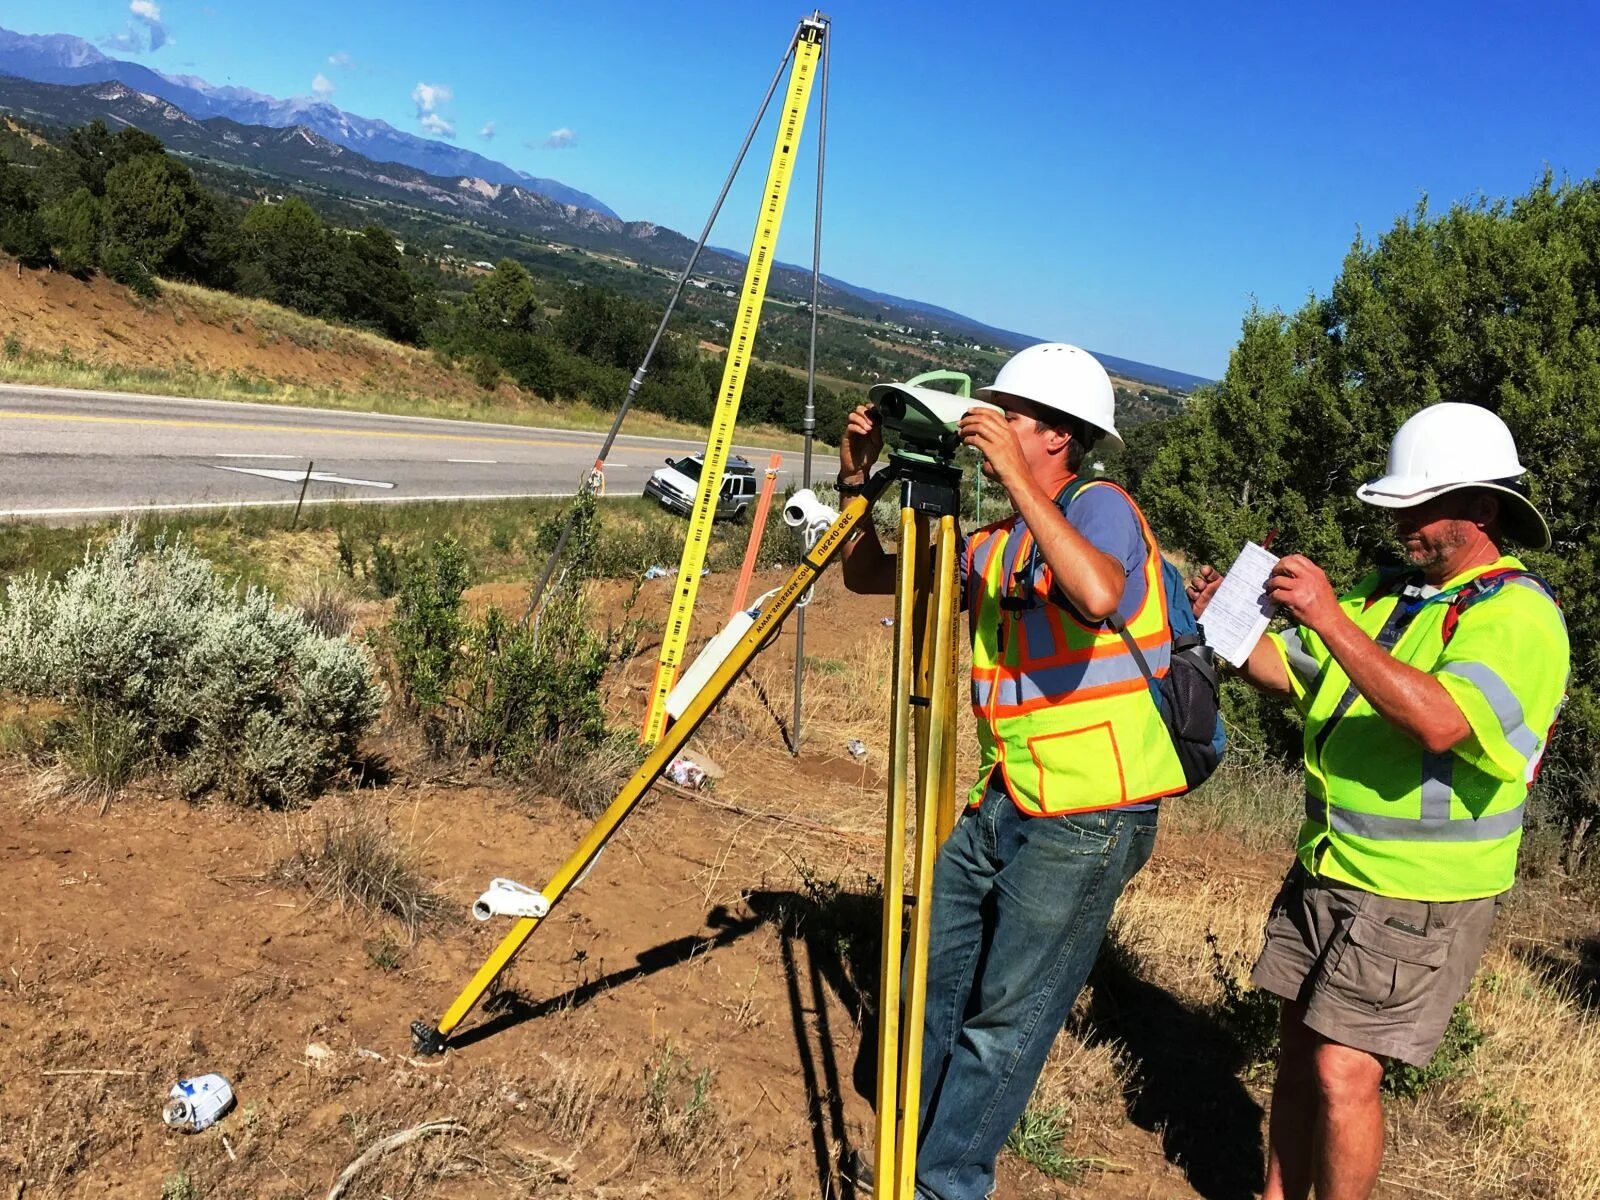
(758, 525)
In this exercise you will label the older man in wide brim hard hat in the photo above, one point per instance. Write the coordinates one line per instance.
(1428, 694)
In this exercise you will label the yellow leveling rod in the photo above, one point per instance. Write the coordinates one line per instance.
(741, 343)
(432, 1039)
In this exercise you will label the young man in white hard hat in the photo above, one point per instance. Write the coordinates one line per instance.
(1428, 696)
(1074, 753)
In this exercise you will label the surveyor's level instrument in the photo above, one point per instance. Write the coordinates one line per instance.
(807, 49)
(921, 784)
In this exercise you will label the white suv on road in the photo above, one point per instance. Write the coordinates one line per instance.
(675, 484)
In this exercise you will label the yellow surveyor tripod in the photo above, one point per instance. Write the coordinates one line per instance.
(921, 783)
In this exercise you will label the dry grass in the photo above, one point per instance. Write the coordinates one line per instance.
(1528, 1109)
(330, 604)
(356, 861)
(676, 1117)
(1257, 804)
(585, 777)
(1522, 1121)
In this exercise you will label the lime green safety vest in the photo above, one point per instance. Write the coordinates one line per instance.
(1382, 813)
(1064, 713)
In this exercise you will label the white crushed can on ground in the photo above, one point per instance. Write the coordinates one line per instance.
(195, 1104)
(857, 748)
(685, 772)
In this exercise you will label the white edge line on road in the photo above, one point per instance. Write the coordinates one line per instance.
(221, 455)
(113, 509)
(487, 461)
(148, 398)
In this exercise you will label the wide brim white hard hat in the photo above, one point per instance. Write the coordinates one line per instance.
(1066, 379)
(1450, 447)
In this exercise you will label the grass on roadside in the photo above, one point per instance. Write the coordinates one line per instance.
(503, 539)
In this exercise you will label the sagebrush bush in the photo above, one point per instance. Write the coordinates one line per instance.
(240, 694)
(524, 695)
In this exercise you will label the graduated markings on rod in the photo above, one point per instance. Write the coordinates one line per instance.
(676, 635)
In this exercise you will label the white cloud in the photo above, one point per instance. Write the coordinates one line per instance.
(487, 132)
(321, 86)
(561, 139)
(145, 31)
(148, 14)
(437, 125)
(339, 59)
(428, 96)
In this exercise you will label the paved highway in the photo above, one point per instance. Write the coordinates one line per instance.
(67, 454)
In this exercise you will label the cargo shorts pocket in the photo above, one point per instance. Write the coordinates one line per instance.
(1386, 969)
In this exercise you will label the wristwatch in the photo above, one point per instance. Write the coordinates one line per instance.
(850, 489)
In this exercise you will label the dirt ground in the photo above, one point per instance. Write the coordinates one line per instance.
(687, 1024)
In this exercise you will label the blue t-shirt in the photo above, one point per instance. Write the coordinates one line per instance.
(1108, 522)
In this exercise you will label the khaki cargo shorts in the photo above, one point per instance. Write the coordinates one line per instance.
(1378, 974)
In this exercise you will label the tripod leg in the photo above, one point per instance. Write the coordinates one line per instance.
(909, 555)
(432, 1040)
(932, 796)
(951, 687)
(924, 618)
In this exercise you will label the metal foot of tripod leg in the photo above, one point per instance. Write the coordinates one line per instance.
(426, 1041)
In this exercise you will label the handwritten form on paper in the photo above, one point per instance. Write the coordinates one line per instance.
(1239, 610)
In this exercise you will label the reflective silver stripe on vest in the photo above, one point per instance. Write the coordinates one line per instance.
(1411, 829)
(1501, 700)
(1054, 682)
(1301, 663)
(1436, 772)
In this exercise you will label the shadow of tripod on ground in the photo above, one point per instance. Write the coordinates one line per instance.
(508, 1009)
(830, 939)
(1183, 1081)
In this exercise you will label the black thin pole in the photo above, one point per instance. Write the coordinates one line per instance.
(596, 473)
(809, 423)
(295, 520)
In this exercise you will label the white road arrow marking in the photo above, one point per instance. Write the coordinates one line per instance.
(297, 476)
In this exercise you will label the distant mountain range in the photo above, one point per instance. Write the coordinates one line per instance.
(435, 177)
(63, 59)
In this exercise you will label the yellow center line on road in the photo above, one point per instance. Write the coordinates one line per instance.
(175, 423)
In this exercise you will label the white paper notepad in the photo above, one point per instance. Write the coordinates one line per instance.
(1239, 610)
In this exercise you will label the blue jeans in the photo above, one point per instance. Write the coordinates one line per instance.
(1020, 907)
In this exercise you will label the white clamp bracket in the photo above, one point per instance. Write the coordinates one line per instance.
(507, 898)
(812, 518)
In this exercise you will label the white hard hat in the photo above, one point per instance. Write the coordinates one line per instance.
(1447, 447)
(1064, 378)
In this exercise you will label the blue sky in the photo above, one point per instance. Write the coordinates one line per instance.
(1129, 177)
